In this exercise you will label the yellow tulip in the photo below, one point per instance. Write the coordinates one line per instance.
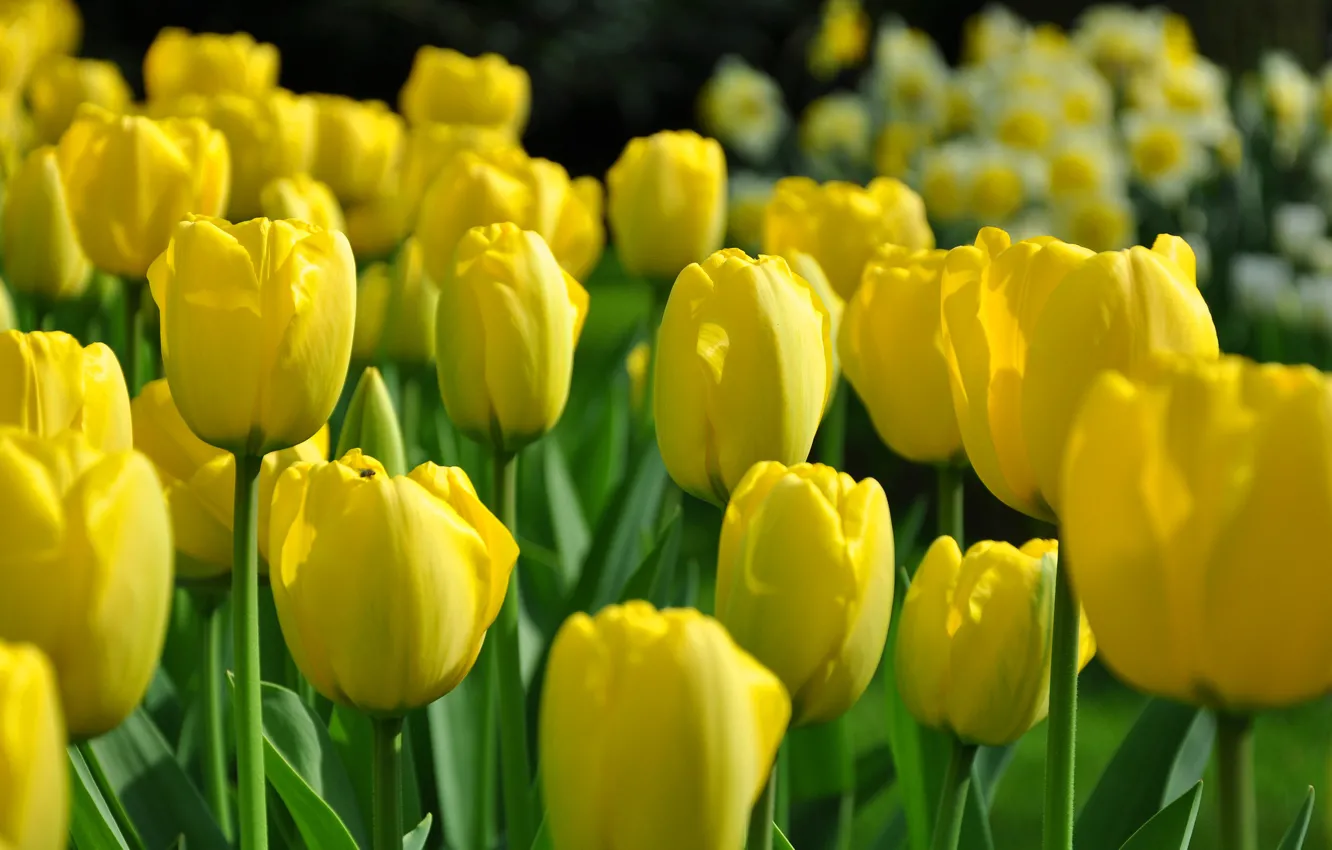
(580, 236)
(42, 252)
(805, 581)
(841, 224)
(429, 147)
(86, 571)
(892, 353)
(302, 197)
(372, 304)
(744, 109)
(34, 806)
(508, 321)
(447, 87)
(842, 38)
(257, 324)
(129, 179)
(743, 370)
(61, 83)
(667, 202)
(807, 267)
(636, 364)
(1027, 326)
(358, 147)
(1197, 498)
(375, 228)
(409, 336)
(656, 731)
(973, 639)
(368, 567)
(200, 482)
(49, 383)
(179, 62)
(834, 131)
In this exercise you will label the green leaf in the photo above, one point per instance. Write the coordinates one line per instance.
(572, 535)
(1172, 827)
(779, 841)
(91, 824)
(821, 760)
(1294, 838)
(651, 580)
(416, 839)
(542, 839)
(460, 754)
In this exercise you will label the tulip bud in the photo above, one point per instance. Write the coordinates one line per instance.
(805, 581)
(86, 574)
(657, 731)
(61, 83)
(42, 252)
(508, 321)
(409, 336)
(179, 62)
(447, 87)
(257, 324)
(35, 815)
(743, 371)
(841, 224)
(372, 303)
(579, 235)
(667, 203)
(377, 227)
(49, 384)
(358, 147)
(371, 424)
(369, 567)
(429, 147)
(302, 197)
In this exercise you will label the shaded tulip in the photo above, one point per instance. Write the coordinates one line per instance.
(892, 353)
(49, 383)
(368, 567)
(86, 572)
(805, 581)
(34, 806)
(377, 227)
(656, 731)
(257, 324)
(743, 371)
(409, 333)
(372, 303)
(429, 147)
(448, 87)
(508, 321)
(61, 83)
(302, 197)
(667, 202)
(371, 424)
(580, 236)
(973, 639)
(42, 252)
(179, 62)
(1197, 497)
(358, 147)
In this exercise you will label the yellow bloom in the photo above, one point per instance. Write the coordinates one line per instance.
(1165, 154)
(805, 266)
(998, 188)
(841, 224)
(892, 353)
(409, 336)
(447, 87)
(897, 146)
(1099, 222)
(42, 252)
(973, 641)
(656, 731)
(842, 39)
(945, 180)
(429, 147)
(1291, 97)
(129, 179)
(372, 304)
(256, 328)
(910, 76)
(743, 371)
(993, 33)
(61, 83)
(49, 383)
(508, 321)
(368, 567)
(580, 233)
(34, 814)
(86, 572)
(1120, 39)
(835, 130)
(667, 202)
(1025, 123)
(743, 107)
(302, 197)
(375, 228)
(179, 62)
(1084, 163)
(805, 581)
(358, 147)
(1197, 497)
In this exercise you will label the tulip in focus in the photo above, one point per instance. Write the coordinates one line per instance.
(42, 252)
(657, 731)
(302, 197)
(358, 147)
(49, 384)
(61, 83)
(34, 802)
(179, 62)
(447, 87)
(805, 266)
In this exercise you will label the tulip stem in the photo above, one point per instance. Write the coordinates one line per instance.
(248, 708)
(950, 501)
(1239, 817)
(108, 792)
(761, 819)
(215, 739)
(386, 774)
(1062, 729)
(133, 295)
(832, 431)
(515, 774)
(953, 797)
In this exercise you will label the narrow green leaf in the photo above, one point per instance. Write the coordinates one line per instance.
(821, 763)
(779, 841)
(458, 755)
(1172, 827)
(416, 839)
(659, 565)
(91, 824)
(1294, 838)
(572, 535)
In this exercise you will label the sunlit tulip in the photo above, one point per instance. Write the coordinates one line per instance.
(302, 197)
(179, 62)
(447, 87)
(580, 234)
(34, 805)
(42, 251)
(807, 267)
(656, 731)
(61, 83)
(49, 383)
(358, 147)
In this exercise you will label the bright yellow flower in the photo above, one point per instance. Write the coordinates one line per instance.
(179, 62)
(42, 251)
(358, 147)
(429, 147)
(1084, 163)
(744, 108)
(842, 39)
(1098, 222)
(808, 268)
(302, 197)
(580, 231)
(1164, 153)
(945, 180)
(997, 190)
(34, 810)
(61, 83)
(49, 383)
(448, 87)
(1025, 123)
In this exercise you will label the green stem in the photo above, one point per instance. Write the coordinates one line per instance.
(782, 806)
(514, 762)
(411, 414)
(1239, 817)
(215, 739)
(832, 431)
(488, 729)
(248, 709)
(953, 797)
(108, 791)
(1062, 728)
(660, 293)
(760, 820)
(846, 803)
(950, 501)
(386, 774)
(133, 295)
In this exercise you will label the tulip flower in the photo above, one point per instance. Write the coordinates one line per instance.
(807, 267)
(743, 371)
(447, 87)
(409, 336)
(50, 384)
(302, 197)
(372, 302)
(656, 731)
(42, 252)
(805, 581)
(377, 227)
(179, 62)
(61, 83)
(86, 573)
(35, 814)
(667, 202)
(358, 148)
(429, 147)
(580, 236)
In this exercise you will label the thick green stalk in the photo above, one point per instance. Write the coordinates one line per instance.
(760, 820)
(133, 332)
(1061, 731)
(1239, 815)
(953, 797)
(950, 501)
(108, 791)
(248, 710)
(386, 776)
(214, 732)
(832, 431)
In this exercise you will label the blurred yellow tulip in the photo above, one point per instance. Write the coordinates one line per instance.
(409, 335)
(842, 38)
(448, 87)
(49, 383)
(60, 84)
(377, 227)
(302, 197)
(372, 303)
(656, 731)
(429, 147)
(34, 806)
(179, 62)
(358, 147)
(580, 234)
(42, 252)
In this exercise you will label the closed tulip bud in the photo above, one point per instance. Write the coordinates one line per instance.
(369, 566)
(372, 304)
(743, 371)
(1028, 326)
(429, 147)
(49, 383)
(200, 483)
(842, 224)
(656, 731)
(371, 424)
(508, 321)
(179, 62)
(447, 87)
(892, 353)
(257, 324)
(580, 235)
(42, 252)
(1197, 499)
(61, 83)
(377, 227)
(667, 202)
(302, 197)
(129, 180)
(35, 814)
(86, 573)
(358, 147)
(973, 639)
(409, 336)
(805, 581)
